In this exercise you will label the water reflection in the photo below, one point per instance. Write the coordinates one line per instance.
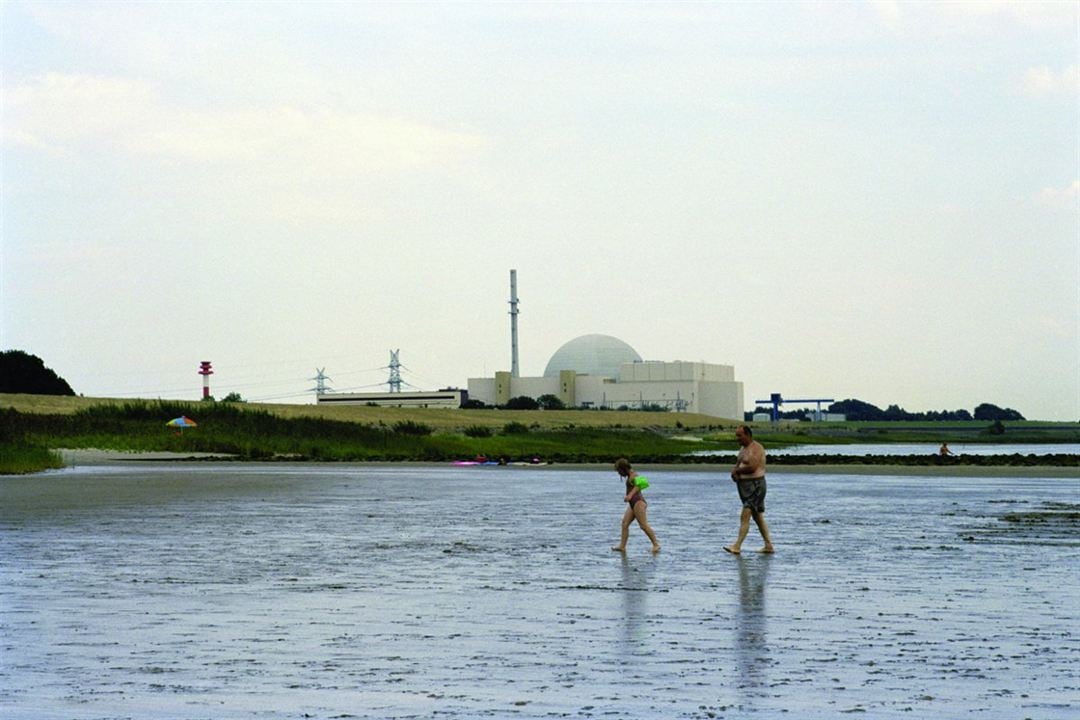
(751, 641)
(635, 598)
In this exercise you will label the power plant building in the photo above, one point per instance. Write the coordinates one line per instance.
(600, 371)
(446, 398)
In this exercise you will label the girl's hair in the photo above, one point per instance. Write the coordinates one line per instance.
(622, 466)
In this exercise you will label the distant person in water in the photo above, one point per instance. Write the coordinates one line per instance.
(749, 477)
(945, 451)
(636, 509)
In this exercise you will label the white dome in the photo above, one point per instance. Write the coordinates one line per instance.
(592, 355)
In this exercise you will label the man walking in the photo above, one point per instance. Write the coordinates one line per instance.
(749, 477)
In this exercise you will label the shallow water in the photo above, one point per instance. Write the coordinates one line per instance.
(248, 591)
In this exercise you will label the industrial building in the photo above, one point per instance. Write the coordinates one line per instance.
(601, 371)
(447, 398)
(590, 371)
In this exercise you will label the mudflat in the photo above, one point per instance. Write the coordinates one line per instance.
(203, 589)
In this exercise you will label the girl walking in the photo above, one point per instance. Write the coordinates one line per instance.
(637, 508)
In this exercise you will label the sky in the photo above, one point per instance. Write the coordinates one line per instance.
(874, 200)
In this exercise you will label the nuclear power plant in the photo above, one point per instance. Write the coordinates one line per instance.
(601, 371)
(591, 371)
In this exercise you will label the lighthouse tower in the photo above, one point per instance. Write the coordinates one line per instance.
(206, 372)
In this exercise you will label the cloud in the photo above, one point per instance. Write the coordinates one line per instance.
(974, 16)
(1066, 198)
(323, 138)
(1043, 81)
(66, 114)
(1024, 12)
(1058, 327)
(57, 111)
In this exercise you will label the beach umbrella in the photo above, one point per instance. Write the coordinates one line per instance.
(182, 422)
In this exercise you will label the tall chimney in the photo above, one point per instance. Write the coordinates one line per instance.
(513, 324)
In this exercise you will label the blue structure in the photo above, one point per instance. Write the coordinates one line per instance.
(776, 401)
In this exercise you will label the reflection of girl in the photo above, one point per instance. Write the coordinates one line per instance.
(637, 509)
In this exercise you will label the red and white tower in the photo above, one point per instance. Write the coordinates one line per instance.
(206, 372)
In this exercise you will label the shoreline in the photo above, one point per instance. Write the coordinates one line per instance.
(84, 457)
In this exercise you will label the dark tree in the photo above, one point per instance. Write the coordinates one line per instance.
(987, 411)
(858, 410)
(551, 402)
(522, 402)
(24, 373)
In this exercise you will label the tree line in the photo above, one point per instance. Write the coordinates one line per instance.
(858, 410)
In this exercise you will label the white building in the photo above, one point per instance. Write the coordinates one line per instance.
(448, 398)
(603, 371)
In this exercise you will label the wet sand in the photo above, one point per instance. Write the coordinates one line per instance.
(227, 590)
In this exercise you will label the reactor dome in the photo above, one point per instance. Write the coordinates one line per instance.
(592, 355)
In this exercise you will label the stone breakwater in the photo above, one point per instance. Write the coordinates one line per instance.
(922, 460)
(271, 591)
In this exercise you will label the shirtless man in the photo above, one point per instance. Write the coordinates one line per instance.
(749, 477)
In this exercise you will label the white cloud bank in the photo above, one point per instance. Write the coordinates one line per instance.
(1067, 198)
(1044, 81)
(974, 16)
(64, 114)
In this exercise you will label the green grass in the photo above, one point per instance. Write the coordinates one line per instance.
(23, 459)
(357, 433)
(255, 434)
(442, 420)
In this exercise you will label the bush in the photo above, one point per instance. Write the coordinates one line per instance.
(409, 427)
(473, 405)
(22, 458)
(478, 431)
(515, 428)
(550, 402)
(522, 402)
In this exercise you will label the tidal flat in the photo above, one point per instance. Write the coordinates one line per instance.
(228, 590)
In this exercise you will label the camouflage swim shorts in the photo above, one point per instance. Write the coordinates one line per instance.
(752, 494)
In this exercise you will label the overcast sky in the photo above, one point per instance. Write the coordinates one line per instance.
(843, 200)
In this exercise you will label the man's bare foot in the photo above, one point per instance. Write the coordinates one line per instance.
(767, 550)
(655, 549)
(616, 548)
(732, 550)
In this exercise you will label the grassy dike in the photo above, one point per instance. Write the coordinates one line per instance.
(32, 426)
(372, 434)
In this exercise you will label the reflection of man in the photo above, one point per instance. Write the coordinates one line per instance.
(749, 477)
(751, 641)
